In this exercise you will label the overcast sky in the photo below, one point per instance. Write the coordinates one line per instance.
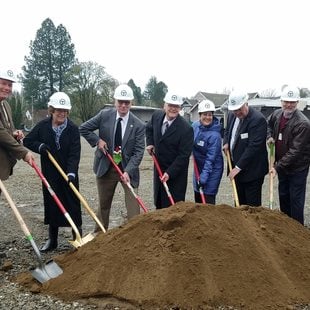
(194, 45)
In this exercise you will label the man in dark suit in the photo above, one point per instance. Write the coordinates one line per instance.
(10, 148)
(121, 134)
(170, 137)
(245, 138)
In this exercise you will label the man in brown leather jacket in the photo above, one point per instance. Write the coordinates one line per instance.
(289, 129)
(10, 148)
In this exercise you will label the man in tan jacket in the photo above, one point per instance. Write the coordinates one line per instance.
(10, 148)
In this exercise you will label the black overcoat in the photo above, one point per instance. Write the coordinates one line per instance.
(68, 157)
(172, 150)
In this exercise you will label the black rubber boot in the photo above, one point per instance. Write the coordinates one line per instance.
(80, 231)
(51, 243)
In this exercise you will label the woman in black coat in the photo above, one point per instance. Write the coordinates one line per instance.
(60, 136)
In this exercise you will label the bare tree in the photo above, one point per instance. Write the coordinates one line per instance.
(91, 88)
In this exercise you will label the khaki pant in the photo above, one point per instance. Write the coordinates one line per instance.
(106, 186)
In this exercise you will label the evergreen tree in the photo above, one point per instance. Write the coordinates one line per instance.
(155, 91)
(51, 55)
(136, 92)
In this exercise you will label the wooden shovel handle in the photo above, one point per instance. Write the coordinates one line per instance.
(232, 181)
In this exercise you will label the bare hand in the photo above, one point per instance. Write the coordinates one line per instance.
(270, 141)
(225, 148)
(18, 135)
(273, 172)
(150, 149)
(29, 158)
(165, 177)
(125, 178)
(102, 145)
(233, 173)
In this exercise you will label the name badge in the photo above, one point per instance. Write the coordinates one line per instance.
(280, 136)
(201, 143)
(244, 135)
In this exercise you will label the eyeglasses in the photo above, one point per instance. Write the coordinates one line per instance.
(126, 102)
(61, 110)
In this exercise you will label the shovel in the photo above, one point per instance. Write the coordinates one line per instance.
(139, 200)
(76, 192)
(233, 181)
(197, 179)
(79, 240)
(46, 271)
(271, 176)
(160, 173)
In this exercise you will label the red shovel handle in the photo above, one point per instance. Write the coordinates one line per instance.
(119, 171)
(160, 176)
(49, 188)
(197, 175)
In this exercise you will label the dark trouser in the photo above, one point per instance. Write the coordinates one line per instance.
(292, 194)
(209, 198)
(250, 193)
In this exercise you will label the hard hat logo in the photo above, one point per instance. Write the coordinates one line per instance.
(123, 92)
(60, 100)
(10, 73)
(206, 106)
(290, 93)
(172, 98)
(237, 99)
(7, 75)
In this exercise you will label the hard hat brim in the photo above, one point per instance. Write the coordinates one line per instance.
(289, 99)
(235, 107)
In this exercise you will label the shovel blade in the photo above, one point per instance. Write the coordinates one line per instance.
(46, 272)
(81, 241)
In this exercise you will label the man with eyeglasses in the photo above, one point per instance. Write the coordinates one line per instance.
(121, 134)
(245, 139)
(289, 130)
(170, 137)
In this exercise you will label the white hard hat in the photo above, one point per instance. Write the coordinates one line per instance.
(206, 106)
(123, 92)
(172, 98)
(7, 75)
(236, 100)
(60, 100)
(290, 93)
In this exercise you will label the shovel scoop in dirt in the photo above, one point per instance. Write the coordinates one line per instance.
(43, 272)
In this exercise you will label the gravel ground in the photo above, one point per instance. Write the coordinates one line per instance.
(16, 253)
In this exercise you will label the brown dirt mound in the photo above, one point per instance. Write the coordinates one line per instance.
(193, 256)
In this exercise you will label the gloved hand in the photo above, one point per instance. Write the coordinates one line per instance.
(71, 178)
(44, 148)
(199, 185)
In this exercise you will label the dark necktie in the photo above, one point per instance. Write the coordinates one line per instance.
(165, 127)
(118, 135)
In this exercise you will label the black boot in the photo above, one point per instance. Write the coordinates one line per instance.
(51, 243)
(74, 234)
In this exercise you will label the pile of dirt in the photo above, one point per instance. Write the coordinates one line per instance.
(192, 256)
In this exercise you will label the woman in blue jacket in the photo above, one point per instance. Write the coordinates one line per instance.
(207, 152)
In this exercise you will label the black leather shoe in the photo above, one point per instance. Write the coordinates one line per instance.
(48, 246)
